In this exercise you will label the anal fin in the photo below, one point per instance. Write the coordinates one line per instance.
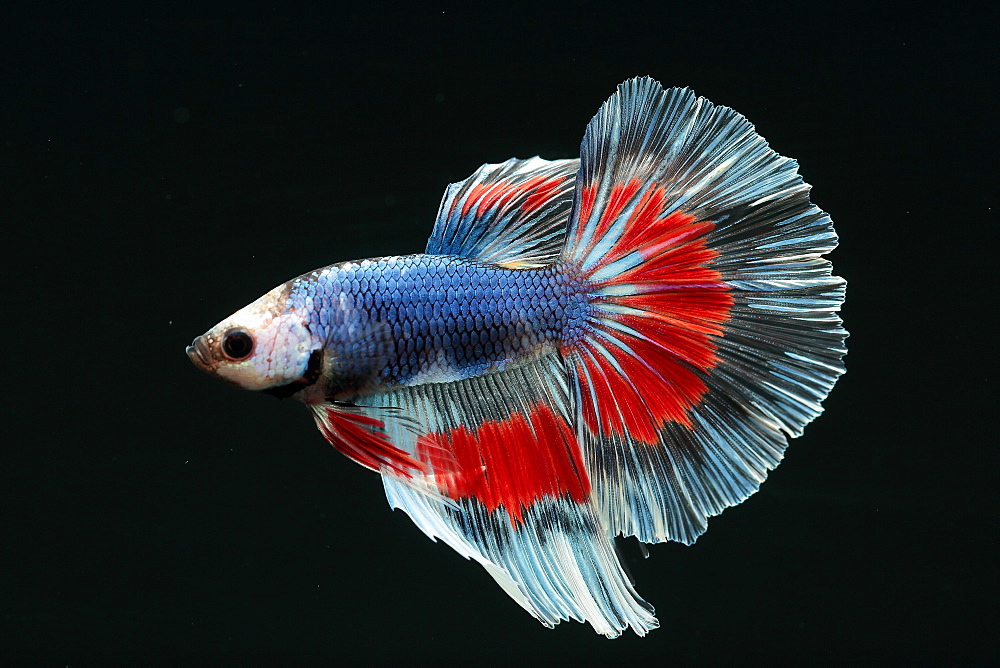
(520, 494)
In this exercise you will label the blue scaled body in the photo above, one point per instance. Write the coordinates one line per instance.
(400, 320)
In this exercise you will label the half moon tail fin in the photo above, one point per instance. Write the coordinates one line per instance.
(712, 334)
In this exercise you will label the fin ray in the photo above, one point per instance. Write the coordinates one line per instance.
(512, 213)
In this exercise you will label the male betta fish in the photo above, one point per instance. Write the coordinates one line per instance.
(616, 345)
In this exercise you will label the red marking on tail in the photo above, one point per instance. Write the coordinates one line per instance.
(510, 463)
(621, 194)
(363, 439)
(587, 196)
(680, 303)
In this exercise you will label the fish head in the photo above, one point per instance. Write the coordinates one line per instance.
(264, 346)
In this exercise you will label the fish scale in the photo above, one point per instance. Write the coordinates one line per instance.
(453, 318)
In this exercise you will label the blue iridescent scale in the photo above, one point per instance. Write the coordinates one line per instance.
(396, 320)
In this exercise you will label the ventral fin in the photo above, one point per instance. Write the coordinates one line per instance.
(513, 214)
(360, 433)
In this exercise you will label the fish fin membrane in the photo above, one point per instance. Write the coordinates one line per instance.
(713, 333)
(361, 433)
(513, 214)
(505, 485)
(558, 564)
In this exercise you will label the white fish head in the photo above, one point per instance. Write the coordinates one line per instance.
(263, 346)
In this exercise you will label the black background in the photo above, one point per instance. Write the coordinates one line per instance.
(165, 166)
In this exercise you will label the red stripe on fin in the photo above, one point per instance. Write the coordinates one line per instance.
(514, 213)
(510, 463)
(362, 438)
(543, 190)
(657, 303)
(485, 196)
(621, 195)
(586, 205)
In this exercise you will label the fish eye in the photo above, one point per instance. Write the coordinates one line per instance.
(237, 344)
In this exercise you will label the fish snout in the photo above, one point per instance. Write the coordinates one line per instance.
(199, 353)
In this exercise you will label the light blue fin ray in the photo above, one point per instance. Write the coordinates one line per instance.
(513, 213)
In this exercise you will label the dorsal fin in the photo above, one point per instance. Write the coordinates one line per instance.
(513, 214)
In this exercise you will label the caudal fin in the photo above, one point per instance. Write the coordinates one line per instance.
(712, 334)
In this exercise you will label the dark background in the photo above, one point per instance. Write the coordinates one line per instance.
(164, 166)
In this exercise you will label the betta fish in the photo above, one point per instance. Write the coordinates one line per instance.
(616, 345)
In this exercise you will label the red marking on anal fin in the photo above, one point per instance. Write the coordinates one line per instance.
(362, 438)
(509, 463)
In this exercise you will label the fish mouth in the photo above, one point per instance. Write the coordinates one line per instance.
(199, 353)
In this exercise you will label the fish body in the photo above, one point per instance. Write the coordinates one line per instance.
(616, 345)
(431, 318)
